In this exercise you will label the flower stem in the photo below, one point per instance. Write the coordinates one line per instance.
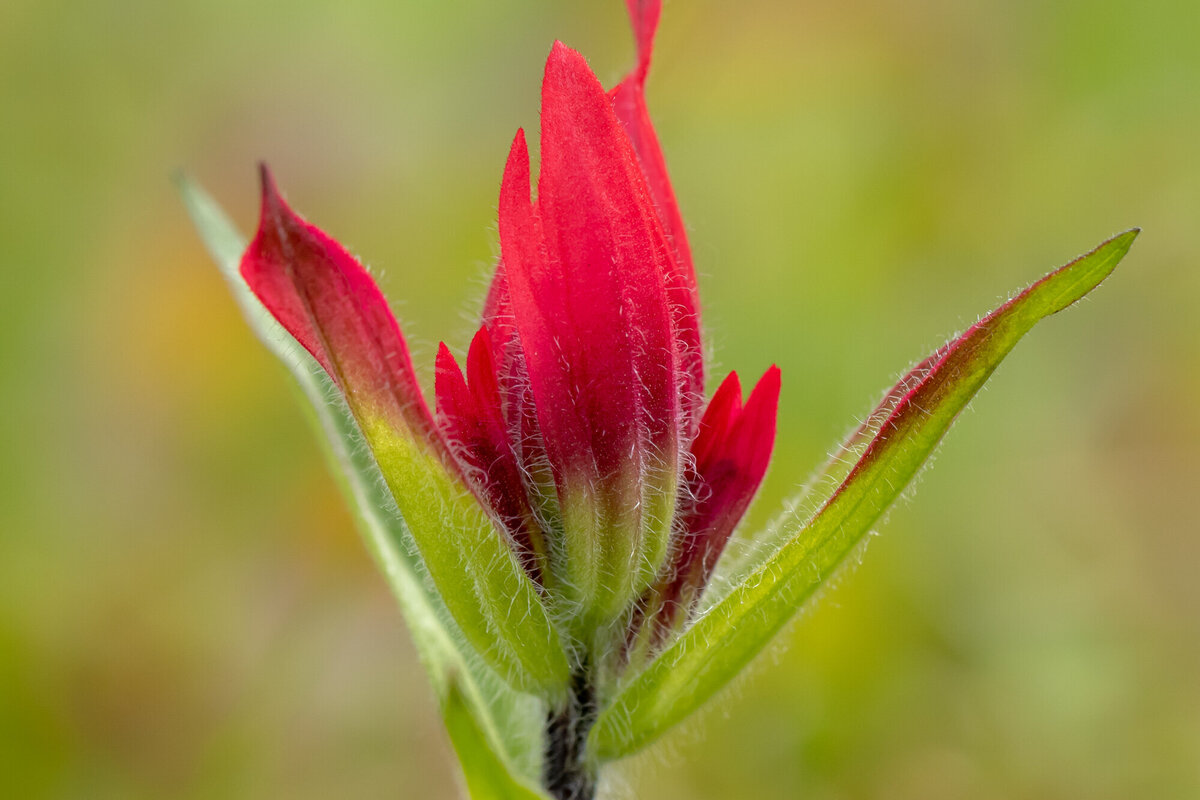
(565, 770)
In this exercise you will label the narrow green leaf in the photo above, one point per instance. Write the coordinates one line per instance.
(488, 776)
(729, 634)
(748, 552)
(442, 647)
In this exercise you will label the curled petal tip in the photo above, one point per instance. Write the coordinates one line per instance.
(643, 16)
(629, 103)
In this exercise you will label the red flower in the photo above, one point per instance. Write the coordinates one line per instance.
(578, 424)
(563, 510)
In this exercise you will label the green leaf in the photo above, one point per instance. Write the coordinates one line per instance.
(749, 553)
(442, 647)
(912, 421)
(488, 776)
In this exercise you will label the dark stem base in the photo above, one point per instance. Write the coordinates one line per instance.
(565, 772)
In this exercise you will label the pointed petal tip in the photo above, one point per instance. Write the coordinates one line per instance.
(564, 62)
(269, 189)
(449, 386)
(329, 303)
(732, 383)
(725, 403)
(766, 392)
(772, 377)
(519, 149)
(482, 340)
(272, 204)
(515, 183)
(559, 54)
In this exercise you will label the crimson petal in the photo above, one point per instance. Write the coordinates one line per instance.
(730, 457)
(629, 103)
(469, 411)
(585, 271)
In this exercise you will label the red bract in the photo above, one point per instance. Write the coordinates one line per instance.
(328, 301)
(578, 424)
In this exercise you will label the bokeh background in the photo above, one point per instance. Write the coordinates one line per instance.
(185, 609)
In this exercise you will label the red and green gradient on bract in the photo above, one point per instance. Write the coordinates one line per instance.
(571, 495)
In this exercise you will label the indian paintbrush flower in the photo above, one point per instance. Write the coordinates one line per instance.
(552, 525)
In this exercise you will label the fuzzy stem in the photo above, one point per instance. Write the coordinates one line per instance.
(565, 771)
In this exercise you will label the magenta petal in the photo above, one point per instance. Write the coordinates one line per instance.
(497, 308)
(588, 257)
(629, 102)
(730, 455)
(585, 270)
(732, 470)
(643, 15)
(723, 409)
(455, 409)
(470, 415)
(326, 299)
(505, 346)
(597, 304)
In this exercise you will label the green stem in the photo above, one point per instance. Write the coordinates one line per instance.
(565, 770)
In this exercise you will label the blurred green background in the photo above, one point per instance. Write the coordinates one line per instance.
(185, 610)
